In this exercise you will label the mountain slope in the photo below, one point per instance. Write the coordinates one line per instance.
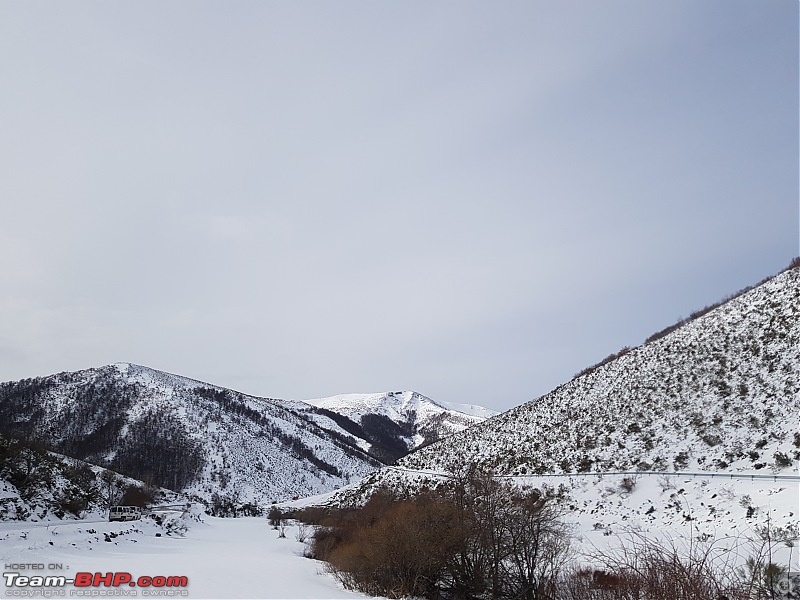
(717, 400)
(223, 446)
(37, 485)
(720, 393)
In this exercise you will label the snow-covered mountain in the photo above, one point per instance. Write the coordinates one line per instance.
(405, 420)
(720, 393)
(222, 446)
(225, 447)
(716, 400)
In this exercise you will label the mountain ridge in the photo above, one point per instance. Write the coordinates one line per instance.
(421, 420)
(217, 445)
(730, 367)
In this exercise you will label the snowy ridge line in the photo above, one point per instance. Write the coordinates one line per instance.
(705, 475)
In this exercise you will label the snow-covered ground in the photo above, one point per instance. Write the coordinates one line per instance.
(245, 558)
(731, 514)
(221, 558)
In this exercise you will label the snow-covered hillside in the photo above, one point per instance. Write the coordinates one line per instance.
(41, 486)
(225, 447)
(721, 393)
(417, 419)
(729, 518)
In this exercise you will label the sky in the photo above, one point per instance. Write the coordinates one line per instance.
(473, 200)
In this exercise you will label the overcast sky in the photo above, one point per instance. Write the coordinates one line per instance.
(474, 200)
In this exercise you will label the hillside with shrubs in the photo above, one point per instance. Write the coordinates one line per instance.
(719, 393)
(37, 485)
(473, 535)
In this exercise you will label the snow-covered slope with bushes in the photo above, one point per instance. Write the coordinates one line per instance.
(721, 393)
(716, 401)
(37, 485)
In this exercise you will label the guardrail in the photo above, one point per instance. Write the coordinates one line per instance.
(703, 474)
(692, 474)
(184, 506)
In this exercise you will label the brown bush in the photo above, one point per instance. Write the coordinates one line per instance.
(475, 537)
(392, 548)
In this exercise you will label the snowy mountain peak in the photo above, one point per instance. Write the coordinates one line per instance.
(149, 376)
(396, 405)
(421, 419)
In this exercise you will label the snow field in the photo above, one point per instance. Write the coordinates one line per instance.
(681, 510)
(222, 558)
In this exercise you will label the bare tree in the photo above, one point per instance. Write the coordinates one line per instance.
(536, 546)
(110, 488)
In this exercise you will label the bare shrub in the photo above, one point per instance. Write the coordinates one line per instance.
(666, 483)
(662, 570)
(688, 569)
(323, 541)
(397, 549)
(302, 533)
(312, 515)
(275, 516)
(628, 484)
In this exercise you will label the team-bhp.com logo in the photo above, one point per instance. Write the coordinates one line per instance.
(92, 584)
